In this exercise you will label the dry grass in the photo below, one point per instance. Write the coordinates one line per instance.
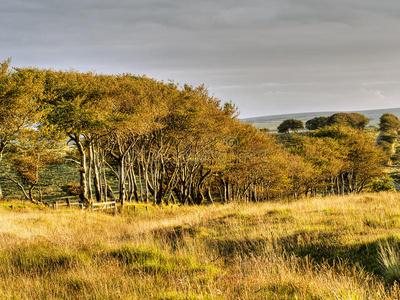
(320, 248)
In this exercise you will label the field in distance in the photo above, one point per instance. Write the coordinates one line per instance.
(313, 248)
(272, 122)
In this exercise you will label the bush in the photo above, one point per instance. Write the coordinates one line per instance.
(389, 137)
(72, 188)
(383, 184)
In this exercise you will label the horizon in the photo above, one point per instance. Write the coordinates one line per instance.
(320, 112)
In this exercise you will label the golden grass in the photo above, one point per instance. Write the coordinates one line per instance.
(316, 248)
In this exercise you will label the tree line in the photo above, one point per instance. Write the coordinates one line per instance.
(166, 143)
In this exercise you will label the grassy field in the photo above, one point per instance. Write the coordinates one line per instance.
(319, 248)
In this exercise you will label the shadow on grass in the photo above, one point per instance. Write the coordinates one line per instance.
(39, 259)
(320, 247)
(326, 248)
(231, 248)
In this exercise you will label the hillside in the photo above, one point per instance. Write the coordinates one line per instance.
(314, 248)
(272, 122)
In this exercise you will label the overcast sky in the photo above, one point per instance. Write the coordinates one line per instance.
(267, 56)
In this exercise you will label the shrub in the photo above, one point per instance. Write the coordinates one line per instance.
(72, 188)
(383, 184)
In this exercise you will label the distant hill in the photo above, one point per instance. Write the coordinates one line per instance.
(272, 122)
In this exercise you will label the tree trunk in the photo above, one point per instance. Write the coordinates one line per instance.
(121, 180)
(82, 170)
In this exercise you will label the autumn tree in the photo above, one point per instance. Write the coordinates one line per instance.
(21, 91)
(138, 106)
(326, 159)
(33, 151)
(77, 108)
(362, 160)
(254, 167)
(196, 127)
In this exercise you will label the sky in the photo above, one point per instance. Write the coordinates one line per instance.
(267, 56)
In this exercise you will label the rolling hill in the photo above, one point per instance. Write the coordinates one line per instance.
(272, 122)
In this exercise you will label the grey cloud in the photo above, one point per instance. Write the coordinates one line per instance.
(315, 51)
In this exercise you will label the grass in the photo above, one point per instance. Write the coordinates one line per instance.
(319, 248)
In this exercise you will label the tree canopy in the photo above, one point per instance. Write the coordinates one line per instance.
(290, 124)
(317, 123)
(136, 138)
(353, 120)
(389, 123)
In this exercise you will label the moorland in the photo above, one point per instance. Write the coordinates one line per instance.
(205, 206)
(316, 248)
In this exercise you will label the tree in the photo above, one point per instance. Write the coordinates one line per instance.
(32, 152)
(325, 157)
(316, 123)
(21, 91)
(389, 123)
(290, 124)
(231, 109)
(354, 120)
(389, 126)
(362, 160)
(77, 108)
(383, 184)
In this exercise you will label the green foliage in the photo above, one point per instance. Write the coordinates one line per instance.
(317, 123)
(383, 184)
(396, 156)
(21, 107)
(290, 124)
(354, 120)
(389, 123)
(389, 137)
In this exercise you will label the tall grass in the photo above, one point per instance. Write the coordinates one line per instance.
(389, 256)
(320, 248)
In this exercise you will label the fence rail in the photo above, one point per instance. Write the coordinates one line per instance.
(110, 205)
(105, 205)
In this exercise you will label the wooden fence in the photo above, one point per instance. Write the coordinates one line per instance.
(111, 205)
